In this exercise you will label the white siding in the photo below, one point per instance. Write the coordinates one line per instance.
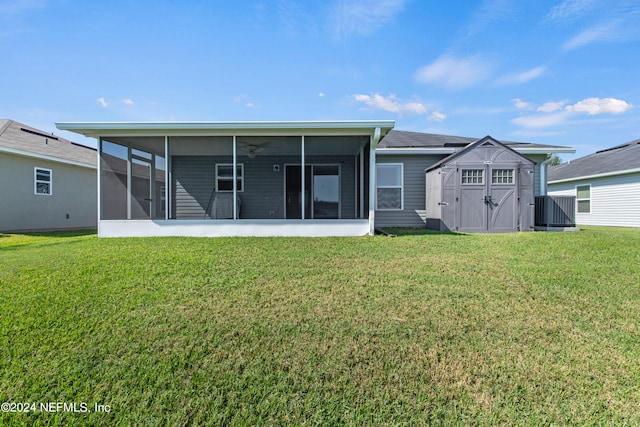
(615, 200)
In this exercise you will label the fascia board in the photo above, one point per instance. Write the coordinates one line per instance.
(559, 150)
(599, 175)
(413, 151)
(45, 157)
(96, 129)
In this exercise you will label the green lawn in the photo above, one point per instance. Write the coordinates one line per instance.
(424, 328)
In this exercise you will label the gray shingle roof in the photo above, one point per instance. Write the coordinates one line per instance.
(405, 139)
(615, 159)
(26, 139)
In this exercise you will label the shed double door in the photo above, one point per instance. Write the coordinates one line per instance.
(488, 199)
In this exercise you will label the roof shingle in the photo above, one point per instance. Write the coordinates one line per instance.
(615, 159)
(406, 139)
(20, 137)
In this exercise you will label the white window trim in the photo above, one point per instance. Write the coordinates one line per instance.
(241, 177)
(496, 176)
(482, 175)
(36, 181)
(391, 186)
(578, 200)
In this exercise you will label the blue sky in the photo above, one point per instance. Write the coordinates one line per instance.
(564, 72)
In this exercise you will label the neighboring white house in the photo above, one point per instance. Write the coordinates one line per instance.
(290, 178)
(606, 185)
(46, 182)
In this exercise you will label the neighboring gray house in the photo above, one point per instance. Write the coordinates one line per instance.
(46, 182)
(606, 185)
(311, 178)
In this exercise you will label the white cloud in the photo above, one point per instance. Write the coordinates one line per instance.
(553, 114)
(488, 14)
(250, 105)
(321, 94)
(102, 102)
(569, 9)
(391, 104)
(240, 98)
(617, 22)
(536, 121)
(361, 17)
(523, 77)
(127, 101)
(436, 116)
(593, 106)
(455, 73)
(602, 32)
(551, 106)
(522, 105)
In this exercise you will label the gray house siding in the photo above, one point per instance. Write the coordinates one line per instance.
(413, 213)
(193, 181)
(73, 195)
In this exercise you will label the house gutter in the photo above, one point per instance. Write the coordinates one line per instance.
(46, 157)
(426, 151)
(599, 175)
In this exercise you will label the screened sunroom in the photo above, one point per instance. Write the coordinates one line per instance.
(241, 178)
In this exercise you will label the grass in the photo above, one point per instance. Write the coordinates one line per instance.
(423, 328)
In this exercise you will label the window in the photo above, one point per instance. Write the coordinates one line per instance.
(583, 197)
(224, 177)
(42, 182)
(389, 181)
(502, 176)
(473, 176)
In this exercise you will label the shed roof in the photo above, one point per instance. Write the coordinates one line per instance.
(398, 139)
(469, 147)
(621, 158)
(24, 140)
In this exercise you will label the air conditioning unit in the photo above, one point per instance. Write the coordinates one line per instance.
(556, 211)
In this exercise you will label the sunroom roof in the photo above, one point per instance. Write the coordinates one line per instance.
(98, 129)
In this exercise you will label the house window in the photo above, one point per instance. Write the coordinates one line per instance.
(502, 176)
(583, 197)
(224, 177)
(389, 183)
(473, 176)
(42, 181)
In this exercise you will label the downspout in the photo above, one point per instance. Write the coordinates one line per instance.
(543, 175)
(372, 180)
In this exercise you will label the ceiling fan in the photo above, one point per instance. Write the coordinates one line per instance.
(253, 151)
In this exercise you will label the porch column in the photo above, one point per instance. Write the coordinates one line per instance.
(129, 181)
(372, 180)
(167, 179)
(99, 183)
(235, 181)
(361, 214)
(303, 180)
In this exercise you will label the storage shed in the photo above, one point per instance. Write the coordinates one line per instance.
(485, 187)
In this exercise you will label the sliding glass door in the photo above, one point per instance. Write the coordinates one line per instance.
(321, 191)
